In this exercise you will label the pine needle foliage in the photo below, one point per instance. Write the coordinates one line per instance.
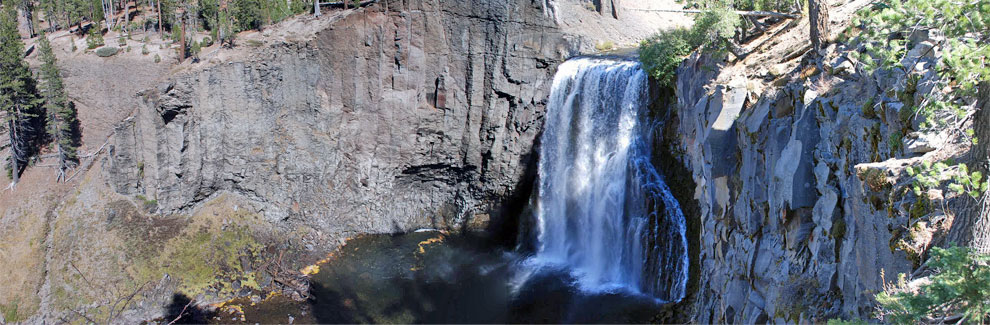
(18, 101)
(959, 287)
(964, 25)
(62, 125)
(249, 14)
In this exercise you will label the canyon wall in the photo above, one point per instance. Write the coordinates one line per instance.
(805, 207)
(410, 114)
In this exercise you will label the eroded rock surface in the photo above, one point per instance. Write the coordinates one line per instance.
(805, 204)
(407, 114)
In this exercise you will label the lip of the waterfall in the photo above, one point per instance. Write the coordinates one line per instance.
(622, 54)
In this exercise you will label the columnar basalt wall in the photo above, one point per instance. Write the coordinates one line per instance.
(402, 115)
(805, 211)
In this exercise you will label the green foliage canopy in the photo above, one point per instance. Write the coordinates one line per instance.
(960, 286)
(663, 52)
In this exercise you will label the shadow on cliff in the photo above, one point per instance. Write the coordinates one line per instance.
(512, 224)
(679, 179)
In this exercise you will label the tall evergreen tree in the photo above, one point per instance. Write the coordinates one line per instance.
(248, 14)
(18, 101)
(62, 123)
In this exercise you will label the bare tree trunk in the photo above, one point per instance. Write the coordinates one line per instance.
(161, 33)
(52, 21)
(108, 13)
(14, 164)
(818, 12)
(127, 14)
(971, 226)
(28, 8)
(182, 38)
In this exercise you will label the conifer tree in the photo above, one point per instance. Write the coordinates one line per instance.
(18, 101)
(248, 14)
(62, 123)
(818, 12)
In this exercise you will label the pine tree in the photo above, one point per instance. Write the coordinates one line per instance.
(818, 12)
(62, 123)
(248, 14)
(18, 101)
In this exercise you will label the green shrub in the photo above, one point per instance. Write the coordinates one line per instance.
(158, 58)
(959, 286)
(662, 53)
(10, 313)
(106, 51)
(94, 39)
(605, 46)
(194, 48)
(144, 50)
(207, 41)
(965, 182)
(121, 40)
(928, 176)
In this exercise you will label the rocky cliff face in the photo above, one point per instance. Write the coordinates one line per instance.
(804, 207)
(406, 114)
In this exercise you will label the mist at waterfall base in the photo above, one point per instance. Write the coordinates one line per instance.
(609, 244)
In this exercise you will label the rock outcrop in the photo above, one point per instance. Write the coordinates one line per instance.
(805, 212)
(402, 115)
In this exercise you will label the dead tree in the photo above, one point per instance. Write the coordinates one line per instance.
(28, 8)
(108, 13)
(127, 14)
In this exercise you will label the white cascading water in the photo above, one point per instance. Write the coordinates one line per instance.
(603, 210)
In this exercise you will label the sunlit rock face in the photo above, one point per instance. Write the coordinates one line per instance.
(791, 229)
(402, 115)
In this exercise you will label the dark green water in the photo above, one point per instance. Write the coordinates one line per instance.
(387, 279)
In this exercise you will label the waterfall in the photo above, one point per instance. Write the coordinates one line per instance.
(604, 212)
